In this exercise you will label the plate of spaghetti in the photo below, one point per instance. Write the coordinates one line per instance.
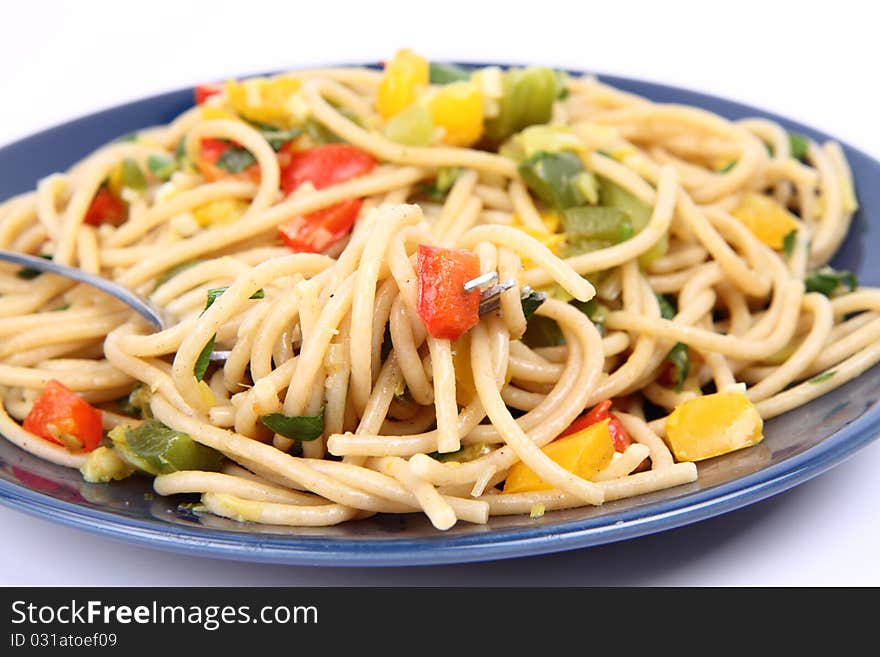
(430, 313)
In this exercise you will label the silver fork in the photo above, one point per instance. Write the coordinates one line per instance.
(490, 297)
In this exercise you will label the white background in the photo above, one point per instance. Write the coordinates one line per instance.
(813, 62)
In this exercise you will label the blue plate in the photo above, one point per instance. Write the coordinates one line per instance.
(798, 445)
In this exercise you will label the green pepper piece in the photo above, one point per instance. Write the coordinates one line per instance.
(295, 427)
(411, 127)
(158, 449)
(161, 166)
(132, 176)
(827, 280)
(558, 179)
(527, 99)
(442, 73)
(613, 195)
(597, 223)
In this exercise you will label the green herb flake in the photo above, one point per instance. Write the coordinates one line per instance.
(822, 377)
(29, 273)
(235, 159)
(727, 167)
(788, 243)
(295, 427)
(204, 359)
(827, 280)
(799, 145)
(679, 356)
(667, 306)
(216, 292)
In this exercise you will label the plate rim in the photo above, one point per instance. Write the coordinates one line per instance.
(543, 538)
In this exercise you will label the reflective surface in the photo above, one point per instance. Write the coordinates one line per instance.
(797, 446)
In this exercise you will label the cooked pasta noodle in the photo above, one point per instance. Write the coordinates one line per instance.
(411, 421)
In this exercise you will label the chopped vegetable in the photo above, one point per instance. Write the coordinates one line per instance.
(610, 225)
(62, 417)
(799, 145)
(137, 404)
(788, 243)
(667, 306)
(599, 412)
(106, 207)
(220, 213)
(104, 465)
(445, 179)
(161, 166)
(219, 158)
(411, 127)
(441, 73)
(827, 280)
(712, 425)
(204, 359)
(318, 230)
(559, 179)
(203, 92)
(216, 292)
(444, 306)
(126, 174)
(822, 377)
(295, 427)
(541, 138)
(278, 139)
(537, 511)
(457, 108)
(405, 76)
(527, 99)
(584, 453)
(158, 449)
(765, 218)
(613, 195)
(265, 100)
(679, 357)
(325, 165)
(727, 167)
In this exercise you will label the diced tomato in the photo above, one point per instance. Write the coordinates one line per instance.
(322, 166)
(444, 306)
(62, 417)
(210, 151)
(618, 435)
(325, 165)
(106, 207)
(598, 413)
(204, 91)
(318, 230)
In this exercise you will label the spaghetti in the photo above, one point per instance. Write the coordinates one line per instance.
(682, 257)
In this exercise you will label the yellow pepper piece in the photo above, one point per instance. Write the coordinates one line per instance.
(584, 453)
(210, 112)
(712, 425)
(404, 78)
(218, 213)
(264, 100)
(549, 237)
(458, 109)
(767, 219)
(465, 390)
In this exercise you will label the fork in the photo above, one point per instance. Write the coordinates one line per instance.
(490, 290)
